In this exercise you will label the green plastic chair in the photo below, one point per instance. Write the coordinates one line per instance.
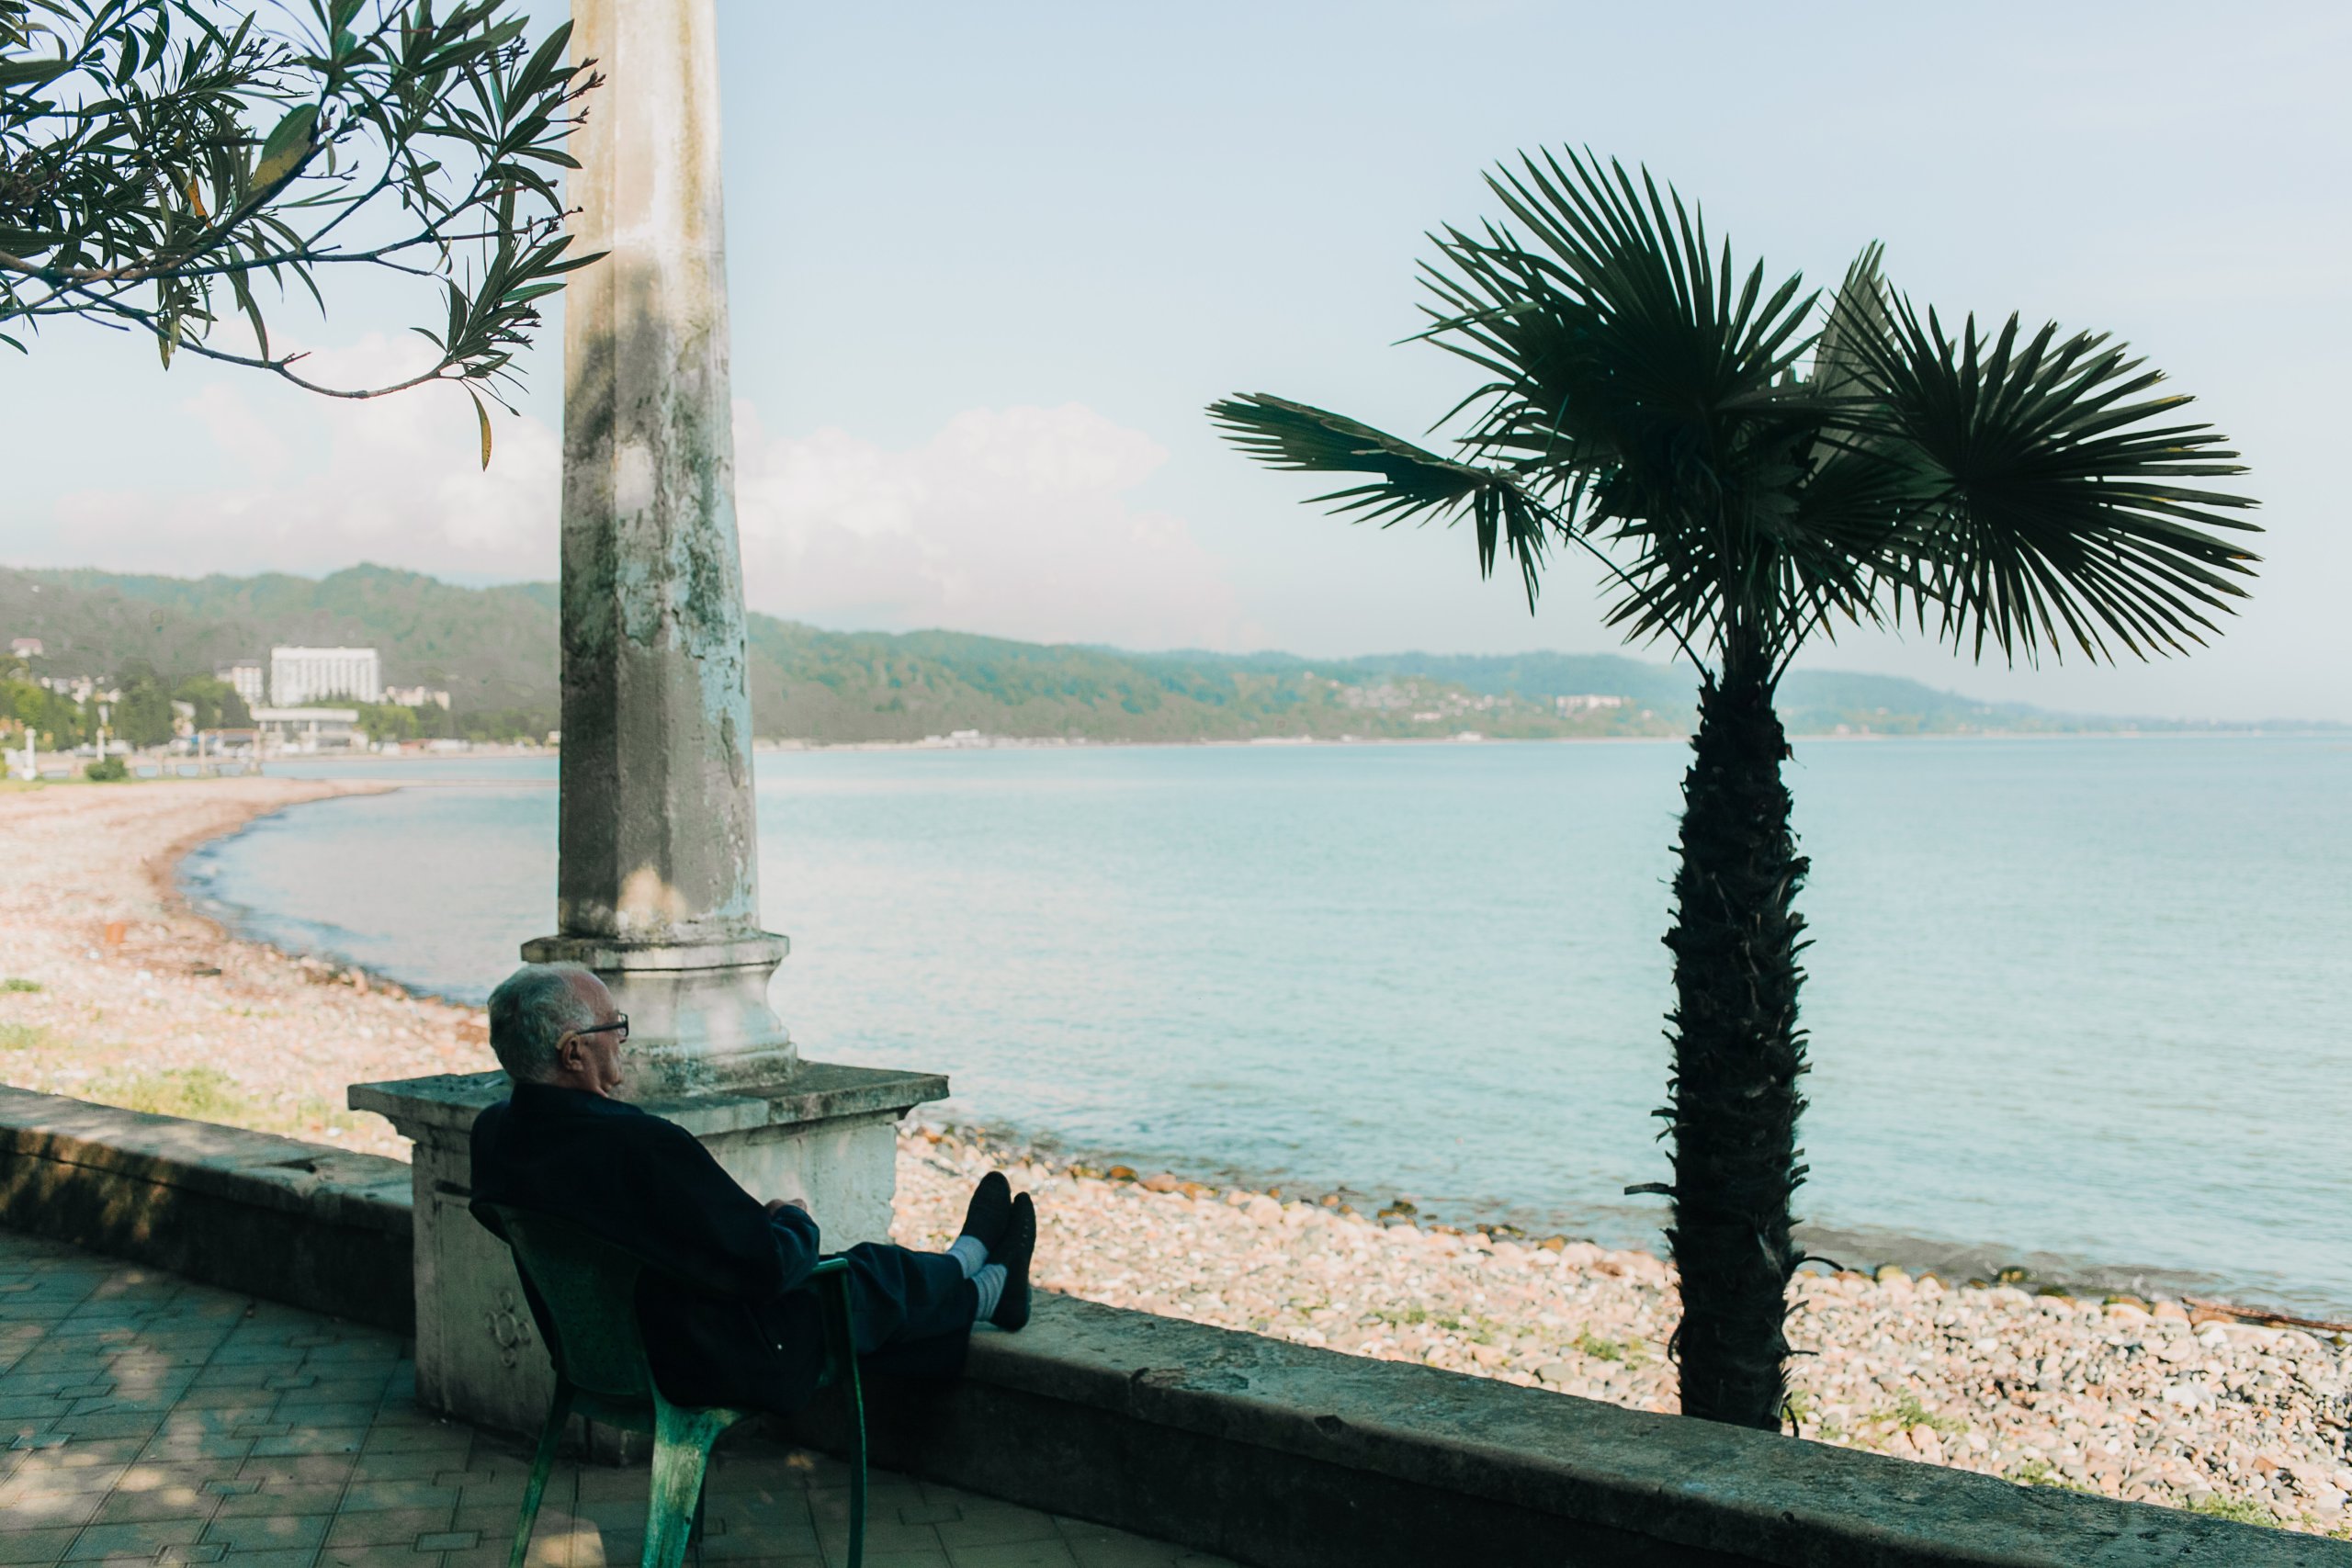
(601, 1374)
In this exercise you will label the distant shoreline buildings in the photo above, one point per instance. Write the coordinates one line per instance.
(308, 699)
(248, 679)
(300, 677)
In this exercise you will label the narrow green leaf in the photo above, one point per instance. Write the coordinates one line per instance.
(481, 415)
(288, 145)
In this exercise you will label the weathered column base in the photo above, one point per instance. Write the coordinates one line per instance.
(699, 1019)
(827, 1134)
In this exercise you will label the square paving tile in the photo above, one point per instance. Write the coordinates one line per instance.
(148, 1474)
(401, 1466)
(401, 1556)
(311, 1440)
(297, 1470)
(145, 1538)
(110, 1423)
(985, 1522)
(420, 1492)
(46, 1545)
(389, 1527)
(265, 1501)
(297, 1400)
(286, 1557)
(40, 1507)
(63, 1470)
(267, 1532)
(758, 1541)
(1099, 1546)
(441, 1437)
(1013, 1554)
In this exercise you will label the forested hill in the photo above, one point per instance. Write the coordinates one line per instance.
(494, 649)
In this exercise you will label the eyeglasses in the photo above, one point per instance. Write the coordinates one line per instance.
(620, 1022)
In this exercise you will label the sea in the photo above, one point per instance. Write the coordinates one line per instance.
(2077, 1005)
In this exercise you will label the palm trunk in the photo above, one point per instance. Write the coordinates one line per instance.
(1737, 1055)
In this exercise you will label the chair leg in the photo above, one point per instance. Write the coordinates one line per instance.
(858, 1464)
(682, 1443)
(842, 1346)
(541, 1464)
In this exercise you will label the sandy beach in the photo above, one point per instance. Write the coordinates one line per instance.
(112, 989)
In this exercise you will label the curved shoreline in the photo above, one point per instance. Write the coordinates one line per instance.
(2160, 1401)
(141, 998)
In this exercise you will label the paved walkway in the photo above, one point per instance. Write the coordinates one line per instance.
(155, 1420)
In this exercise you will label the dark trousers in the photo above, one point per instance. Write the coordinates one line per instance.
(911, 1312)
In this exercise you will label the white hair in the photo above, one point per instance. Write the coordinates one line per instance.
(530, 1014)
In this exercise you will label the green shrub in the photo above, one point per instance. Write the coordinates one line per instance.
(108, 769)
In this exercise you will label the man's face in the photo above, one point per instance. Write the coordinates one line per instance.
(591, 1059)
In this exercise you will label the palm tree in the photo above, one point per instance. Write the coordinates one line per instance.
(1747, 479)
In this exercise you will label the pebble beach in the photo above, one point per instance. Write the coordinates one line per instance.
(113, 990)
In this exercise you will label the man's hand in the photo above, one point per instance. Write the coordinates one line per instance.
(779, 1205)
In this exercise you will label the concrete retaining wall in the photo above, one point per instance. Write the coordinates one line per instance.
(308, 1223)
(1271, 1453)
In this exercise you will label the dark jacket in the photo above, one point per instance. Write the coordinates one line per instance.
(725, 1318)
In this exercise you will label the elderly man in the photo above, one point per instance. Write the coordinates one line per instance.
(724, 1306)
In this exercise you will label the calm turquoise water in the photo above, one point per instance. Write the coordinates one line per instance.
(2082, 998)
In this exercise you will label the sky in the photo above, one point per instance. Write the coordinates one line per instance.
(986, 265)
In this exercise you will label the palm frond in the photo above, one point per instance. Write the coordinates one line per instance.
(1408, 482)
(1747, 482)
(2059, 500)
(1615, 334)
(1857, 315)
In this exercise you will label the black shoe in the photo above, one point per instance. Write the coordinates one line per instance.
(1012, 1312)
(990, 1211)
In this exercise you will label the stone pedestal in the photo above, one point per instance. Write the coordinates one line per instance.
(828, 1135)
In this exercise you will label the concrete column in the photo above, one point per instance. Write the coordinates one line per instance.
(659, 885)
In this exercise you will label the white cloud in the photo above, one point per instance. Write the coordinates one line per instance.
(1015, 521)
(320, 484)
(1018, 522)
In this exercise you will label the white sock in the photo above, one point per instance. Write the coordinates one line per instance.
(990, 1282)
(969, 1253)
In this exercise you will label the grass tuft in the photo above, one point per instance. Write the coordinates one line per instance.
(1907, 1412)
(201, 1094)
(2237, 1510)
(13, 983)
(22, 1037)
(1628, 1351)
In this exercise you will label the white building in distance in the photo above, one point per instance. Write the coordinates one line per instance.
(300, 677)
(249, 679)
